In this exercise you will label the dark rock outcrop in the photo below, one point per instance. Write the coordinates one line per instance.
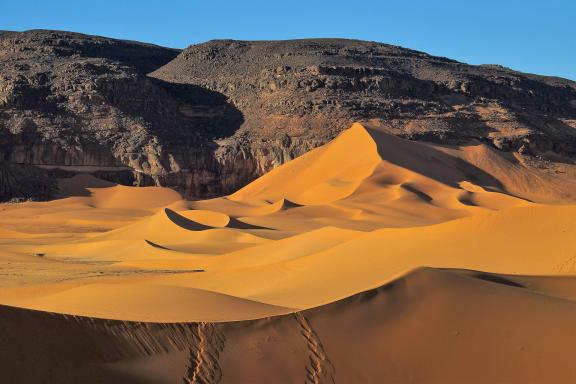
(20, 182)
(211, 118)
(74, 103)
(311, 89)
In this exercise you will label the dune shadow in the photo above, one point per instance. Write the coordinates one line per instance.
(184, 222)
(157, 245)
(53, 348)
(237, 224)
(498, 279)
(467, 200)
(288, 204)
(192, 225)
(421, 195)
(430, 162)
(79, 185)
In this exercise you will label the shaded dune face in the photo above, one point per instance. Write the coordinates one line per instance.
(431, 325)
(370, 258)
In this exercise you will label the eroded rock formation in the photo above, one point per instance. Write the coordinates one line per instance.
(211, 118)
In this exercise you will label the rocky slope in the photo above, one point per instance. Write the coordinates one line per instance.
(211, 118)
(315, 87)
(72, 103)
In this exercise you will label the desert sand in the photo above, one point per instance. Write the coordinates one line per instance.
(370, 259)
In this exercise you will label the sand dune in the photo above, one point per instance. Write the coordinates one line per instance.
(369, 258)
(429, 325)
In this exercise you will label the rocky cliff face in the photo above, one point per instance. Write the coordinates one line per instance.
(72, 103)
(211, 118)
(314, 88)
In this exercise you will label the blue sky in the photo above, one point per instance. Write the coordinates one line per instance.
(531, 36)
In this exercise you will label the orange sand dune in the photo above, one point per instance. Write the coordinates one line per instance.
(359, 211)
(370, 257)
(429, 325)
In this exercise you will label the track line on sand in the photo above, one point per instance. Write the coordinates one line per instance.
(320, 369)
(568, 266)
(203, 363)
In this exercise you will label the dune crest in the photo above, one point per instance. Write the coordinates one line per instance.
(321, 176)
(361, 210)
(369, 229)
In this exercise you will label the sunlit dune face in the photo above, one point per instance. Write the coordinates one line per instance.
(350, 216)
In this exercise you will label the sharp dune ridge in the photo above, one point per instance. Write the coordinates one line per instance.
(369, 258)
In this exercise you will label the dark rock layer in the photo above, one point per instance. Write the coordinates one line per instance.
(211, 118)
(314, 88)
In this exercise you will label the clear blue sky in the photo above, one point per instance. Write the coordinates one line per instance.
(536, 36)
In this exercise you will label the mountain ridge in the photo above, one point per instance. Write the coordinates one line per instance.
(208, 119)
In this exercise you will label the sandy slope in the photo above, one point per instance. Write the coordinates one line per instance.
(430, 326)
(368, 211)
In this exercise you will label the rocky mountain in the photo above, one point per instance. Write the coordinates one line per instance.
(211, 118)
(73, 103)
(314, 87)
